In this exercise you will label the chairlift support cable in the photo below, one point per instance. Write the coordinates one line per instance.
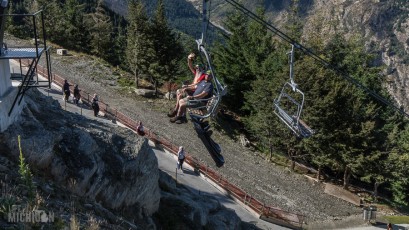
(321, 60)
(204, 21)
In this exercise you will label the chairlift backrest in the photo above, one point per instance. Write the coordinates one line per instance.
(291, 102)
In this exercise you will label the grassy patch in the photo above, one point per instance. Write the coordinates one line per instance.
(125, 82)
(397, 219)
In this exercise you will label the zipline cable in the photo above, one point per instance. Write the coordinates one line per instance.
(321, 60)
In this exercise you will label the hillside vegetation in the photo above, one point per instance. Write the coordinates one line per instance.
(356, 136)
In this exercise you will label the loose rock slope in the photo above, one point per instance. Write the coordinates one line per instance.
(274, 185)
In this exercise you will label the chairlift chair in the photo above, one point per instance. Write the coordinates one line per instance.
(289, 105)
(210, 105)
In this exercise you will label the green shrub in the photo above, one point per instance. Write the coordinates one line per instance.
(25, 174)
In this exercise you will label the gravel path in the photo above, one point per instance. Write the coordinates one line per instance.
(271, 184)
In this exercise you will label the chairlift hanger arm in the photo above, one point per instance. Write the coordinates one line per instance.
(321, 60)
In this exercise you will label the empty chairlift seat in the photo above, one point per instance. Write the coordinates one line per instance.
(289, 107)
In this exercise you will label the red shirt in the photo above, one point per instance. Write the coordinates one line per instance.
(201, 78)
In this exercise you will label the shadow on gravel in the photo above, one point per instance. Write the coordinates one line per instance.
(203, 132)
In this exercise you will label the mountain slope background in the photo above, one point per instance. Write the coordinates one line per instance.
(383, 24)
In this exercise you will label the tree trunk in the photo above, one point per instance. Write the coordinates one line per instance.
(347, 175)
(319, 173)
(156, 88)
(375, 191)
(291, 154)
(292, 164)
(136, 79)
(270, 145)
(169, 89)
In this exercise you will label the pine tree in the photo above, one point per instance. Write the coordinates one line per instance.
(53, 19)
(119, 40)
(140, 50)
(266, 63)
(76, 34)
(20, 27)
(101, 29)
(231, 63)
(167, 49)
(399, 164)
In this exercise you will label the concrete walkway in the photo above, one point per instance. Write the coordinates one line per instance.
(380, 226)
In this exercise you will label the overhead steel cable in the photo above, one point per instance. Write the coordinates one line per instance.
(321, 60)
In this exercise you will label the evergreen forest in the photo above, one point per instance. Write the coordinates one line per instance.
(357, 138)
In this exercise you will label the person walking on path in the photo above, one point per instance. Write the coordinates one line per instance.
(77, 95)
(66, 90)
(140, 129)
(181, 158)
(95, 105)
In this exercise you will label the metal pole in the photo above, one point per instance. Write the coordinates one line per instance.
(176, 175)
(3, 6)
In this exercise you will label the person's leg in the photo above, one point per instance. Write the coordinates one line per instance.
(179, 95)
(182, 107)
(96, 111)
(181, 163)
(180, 111)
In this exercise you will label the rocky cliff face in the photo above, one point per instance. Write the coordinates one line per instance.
(384, 25)
(105, 163)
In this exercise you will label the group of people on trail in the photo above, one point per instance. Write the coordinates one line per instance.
(192, 95)
(67, 92)
(77, 96)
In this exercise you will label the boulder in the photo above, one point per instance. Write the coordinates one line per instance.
(145, 92)
(170, 95)
(195, 211)
(106, 163)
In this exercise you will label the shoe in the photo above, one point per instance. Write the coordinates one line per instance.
(182, 119)
(172, 113)
(174, 119)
